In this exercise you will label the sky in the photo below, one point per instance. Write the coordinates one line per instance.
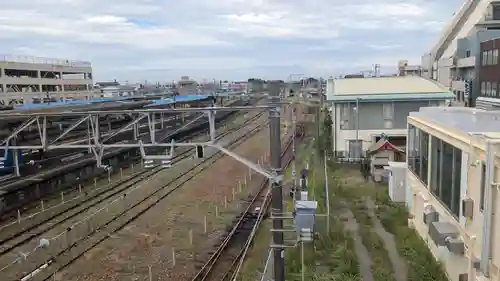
(160, 40)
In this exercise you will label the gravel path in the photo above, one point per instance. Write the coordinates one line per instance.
(174, 226)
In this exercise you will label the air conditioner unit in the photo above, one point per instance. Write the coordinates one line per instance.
(430, 215)
(455, 246)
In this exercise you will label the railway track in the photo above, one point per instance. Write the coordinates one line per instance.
(55, 257)
(223, 264)
(11, 216)
(26, 192)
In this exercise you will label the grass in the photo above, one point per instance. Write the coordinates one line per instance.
(331, 255)
(422, 265)
(382, 268)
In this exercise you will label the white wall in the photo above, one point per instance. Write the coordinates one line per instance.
(366, 136)
(471, 230)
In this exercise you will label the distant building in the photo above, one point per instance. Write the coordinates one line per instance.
(455, 58)
(405, 69)
(366, 110)
(187, 86)
(489, 75)
(24, 79)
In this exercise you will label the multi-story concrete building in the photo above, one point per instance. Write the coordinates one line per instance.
(187, 86)
(455, 58)
(452, 188)
(405, 69)
(27, 79)
(489, 75)
(364, 109)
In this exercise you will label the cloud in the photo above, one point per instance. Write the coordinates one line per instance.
(233, 39)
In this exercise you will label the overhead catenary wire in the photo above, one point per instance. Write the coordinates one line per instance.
(23, 256)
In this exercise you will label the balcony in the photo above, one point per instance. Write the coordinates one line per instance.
(466, 62)
(458, 85)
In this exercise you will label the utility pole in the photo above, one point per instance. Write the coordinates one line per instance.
(277, 191)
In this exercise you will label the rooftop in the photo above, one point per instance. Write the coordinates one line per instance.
(464, 120)
(30, 106)
(177, 99)
(393, 88)
(40, 60)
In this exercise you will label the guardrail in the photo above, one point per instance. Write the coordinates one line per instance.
(41, 60)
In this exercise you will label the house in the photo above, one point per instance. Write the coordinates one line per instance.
(452, 191)
(365, 109)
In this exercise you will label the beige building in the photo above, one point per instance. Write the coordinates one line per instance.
(26, 79)
(453, 176)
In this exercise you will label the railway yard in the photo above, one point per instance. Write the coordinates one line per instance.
(65, 218)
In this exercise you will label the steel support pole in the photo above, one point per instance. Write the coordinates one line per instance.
(277, 191)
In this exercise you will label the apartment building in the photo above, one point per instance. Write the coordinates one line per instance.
(455, 58)
(452, 188)
(489, 76)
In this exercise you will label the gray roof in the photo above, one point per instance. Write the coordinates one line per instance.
(463, 119)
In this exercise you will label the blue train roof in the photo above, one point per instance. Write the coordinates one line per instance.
(187, 98)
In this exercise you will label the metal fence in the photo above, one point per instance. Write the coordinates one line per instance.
(41, 60)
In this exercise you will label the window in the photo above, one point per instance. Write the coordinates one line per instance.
(424, 155)
(490, 57)
(482, 187)
(418, 144)
(388, 114)
(388, 110)
(484, 58)
(495, 56)
(483, 88)
(446, 167)
(344, 117)
(467, 53)
(411, 147)
(494, 89)
(488, 89)
(496, 12)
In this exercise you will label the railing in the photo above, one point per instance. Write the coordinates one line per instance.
(40, 60)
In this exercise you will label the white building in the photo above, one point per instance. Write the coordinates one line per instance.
(455, 58)
(364, 109)
(23, 79)
(453, 181)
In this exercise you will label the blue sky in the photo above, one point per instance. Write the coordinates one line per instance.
(161, 40)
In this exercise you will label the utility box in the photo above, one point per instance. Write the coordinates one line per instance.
(397, 181)
(305, 212)
(303, 196)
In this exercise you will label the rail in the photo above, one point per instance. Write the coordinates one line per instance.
(205, 272)
(42, 60)
(59, 257)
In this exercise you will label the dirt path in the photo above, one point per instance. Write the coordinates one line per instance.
(398, 264)
(365, 263)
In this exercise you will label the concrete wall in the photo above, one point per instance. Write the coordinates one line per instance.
(471, 230)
